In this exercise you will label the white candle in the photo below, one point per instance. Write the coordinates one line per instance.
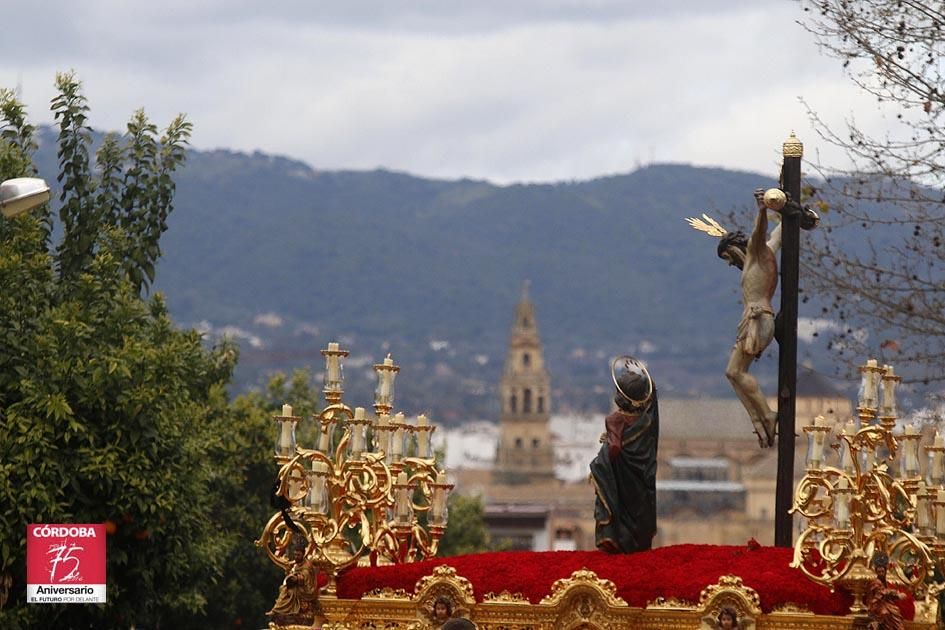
(332, 364)
(423, 445)
(871, 384)
(843, 505)
(936, 469)
(845, 454)
(819, 437)
(382, 436)
(316, 493)
(889, 392)
(438, 509)
(359, 413)
(325, 437)
(357, 438)
(922, 508)
(397, 447)
(910, 459)
(385, 377)
(422, 420)
(403, 503)
(940, 515)
(285, 437)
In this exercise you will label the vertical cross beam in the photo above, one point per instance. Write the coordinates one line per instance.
(793, 151)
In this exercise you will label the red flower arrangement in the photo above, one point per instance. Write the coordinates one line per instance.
(679, 571)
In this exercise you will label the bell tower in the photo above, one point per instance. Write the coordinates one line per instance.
(524, 452)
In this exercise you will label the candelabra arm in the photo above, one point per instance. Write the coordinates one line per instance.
(427, 544)
(911, 560)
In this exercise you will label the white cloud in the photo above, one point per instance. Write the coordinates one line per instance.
(270, 320)
(807, 327)
(522, 91)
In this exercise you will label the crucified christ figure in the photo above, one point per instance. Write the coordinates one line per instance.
(755, 256)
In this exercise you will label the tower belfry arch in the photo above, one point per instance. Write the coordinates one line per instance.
(524, 452)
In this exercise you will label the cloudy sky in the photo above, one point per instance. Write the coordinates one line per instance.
(520, 90)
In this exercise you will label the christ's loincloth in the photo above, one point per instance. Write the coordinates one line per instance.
(755, 330)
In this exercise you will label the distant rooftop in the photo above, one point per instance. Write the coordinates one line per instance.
(699, 462)
(813, 384)
(704, 418)
(669, 485)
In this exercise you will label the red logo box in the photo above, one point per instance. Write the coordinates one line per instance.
(65, 563)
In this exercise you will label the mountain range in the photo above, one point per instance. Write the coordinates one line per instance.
(286, 257)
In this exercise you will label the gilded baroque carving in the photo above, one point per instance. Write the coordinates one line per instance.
(926, 610)
(388, 593)
(445, 575)
(444, 582)
(504, 597)
(582, 601)
(729, 592)
(792, 609)
(588, 579)
(728, 589)
(670, 603)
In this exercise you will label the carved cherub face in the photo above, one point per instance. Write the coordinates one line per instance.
(727, 620)
(442, 609)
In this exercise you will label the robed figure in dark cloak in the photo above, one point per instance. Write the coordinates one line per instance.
(624, 471)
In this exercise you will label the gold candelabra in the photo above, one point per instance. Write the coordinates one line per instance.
(859, 506)
(369, 493)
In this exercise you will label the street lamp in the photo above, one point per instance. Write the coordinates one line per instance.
(22, 194)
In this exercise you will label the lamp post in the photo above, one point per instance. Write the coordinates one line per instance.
(22, 194)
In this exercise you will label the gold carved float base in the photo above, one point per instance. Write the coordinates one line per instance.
(582, 601)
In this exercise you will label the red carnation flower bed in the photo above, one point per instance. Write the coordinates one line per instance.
(679, 571)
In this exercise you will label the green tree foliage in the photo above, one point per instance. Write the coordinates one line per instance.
(250, 582)
(108, 412)
(133, 191)
(467, 531)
